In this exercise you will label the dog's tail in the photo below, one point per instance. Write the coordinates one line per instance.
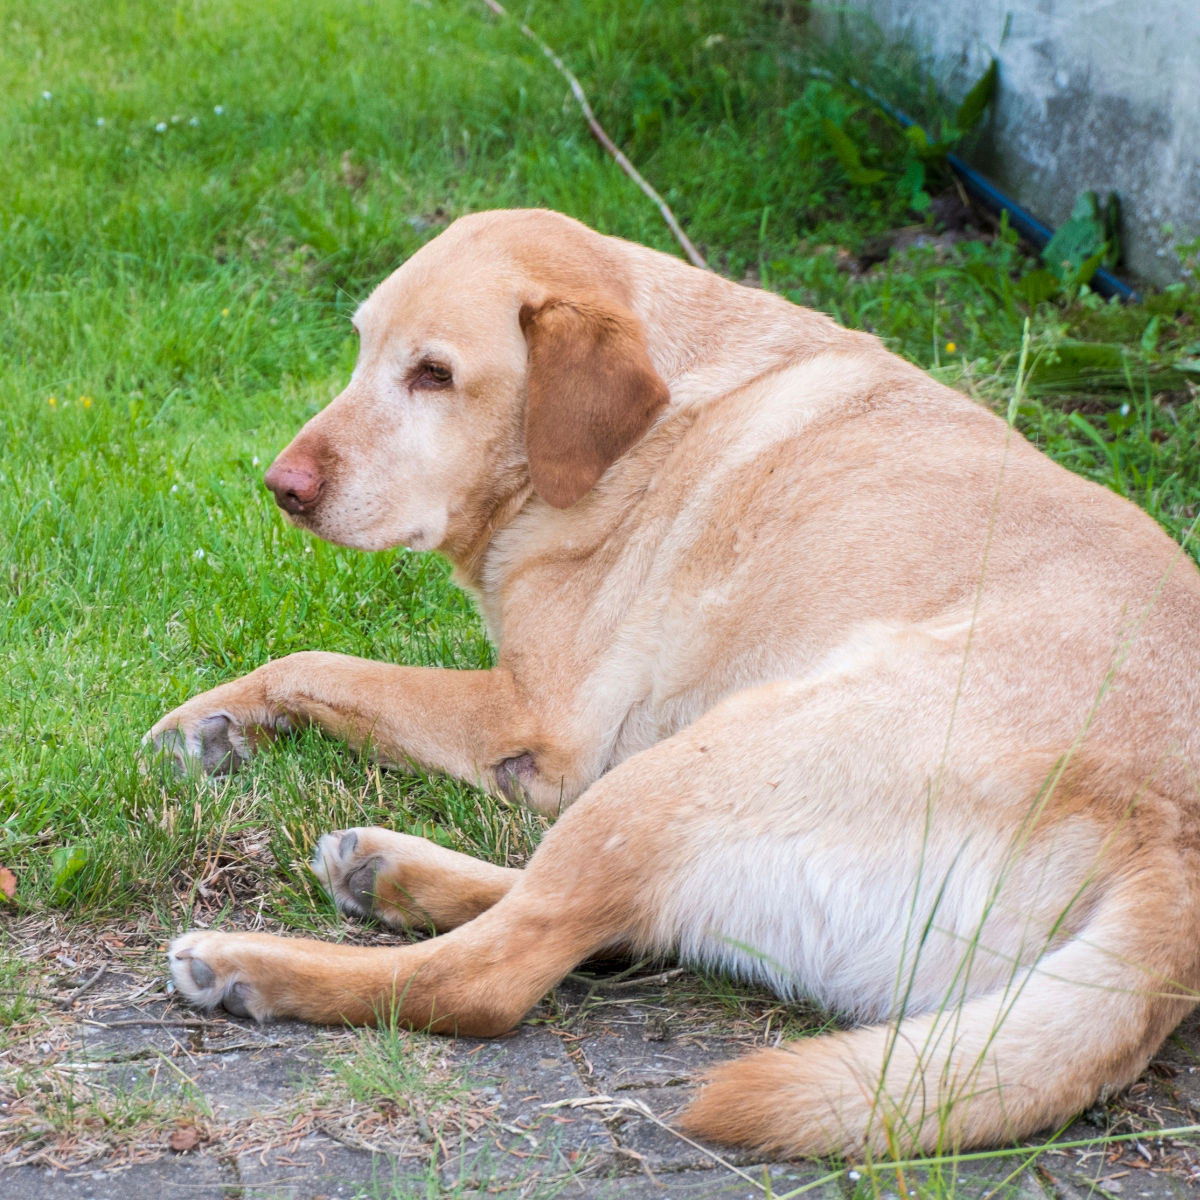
(1084, 1019)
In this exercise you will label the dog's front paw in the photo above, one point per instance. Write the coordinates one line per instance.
(206, 972)
(212, 745)
(216, 732)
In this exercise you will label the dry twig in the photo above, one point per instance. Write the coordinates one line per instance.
(612, 1105)
(598, 132)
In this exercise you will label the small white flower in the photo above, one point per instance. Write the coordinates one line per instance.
(99, 122)
(307, 549)
(199, 553)
(1125, 409)
(218, 109)
(194, 122)
(174, 488)
(254, 461)
(161, 127)
(175, 120)
(47, 95)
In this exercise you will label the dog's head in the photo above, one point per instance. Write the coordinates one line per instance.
(502, 356)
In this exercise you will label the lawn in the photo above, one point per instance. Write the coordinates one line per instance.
(194, 199)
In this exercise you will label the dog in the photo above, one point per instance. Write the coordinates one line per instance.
(831, 679)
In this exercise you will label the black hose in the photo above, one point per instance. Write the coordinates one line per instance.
(993, 199)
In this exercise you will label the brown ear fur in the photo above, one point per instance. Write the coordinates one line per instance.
(592, 393)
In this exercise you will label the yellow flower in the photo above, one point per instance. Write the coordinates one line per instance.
(224, 312)
(86, 401)
(52, 402)
(951, 347)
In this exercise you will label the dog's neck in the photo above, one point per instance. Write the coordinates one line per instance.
(466, 555)
(708, 336)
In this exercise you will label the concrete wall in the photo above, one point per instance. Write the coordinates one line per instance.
(1093, 94)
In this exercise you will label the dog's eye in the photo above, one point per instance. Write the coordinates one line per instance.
(432, 375)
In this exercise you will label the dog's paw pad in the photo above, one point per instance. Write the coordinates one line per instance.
(194, 979)
(222, 746)
(211, 745)
(360, 884)
(202, 974)
(237, 998)
(347, 875)
(199, 982)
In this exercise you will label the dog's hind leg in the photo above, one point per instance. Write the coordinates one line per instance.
(592, 885)
(702, 843)
(407, 881)
(1010, 977)
(578, 896)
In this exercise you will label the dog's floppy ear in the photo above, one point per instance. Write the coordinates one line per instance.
(593, 393)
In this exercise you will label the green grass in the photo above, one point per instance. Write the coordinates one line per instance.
(193, 200)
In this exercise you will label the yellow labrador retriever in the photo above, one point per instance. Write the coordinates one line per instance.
(836, 682)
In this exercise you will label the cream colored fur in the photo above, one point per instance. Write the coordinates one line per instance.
(835, 680)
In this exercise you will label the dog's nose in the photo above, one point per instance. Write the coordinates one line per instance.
(296, 488)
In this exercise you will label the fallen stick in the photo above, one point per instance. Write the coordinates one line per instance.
(694, 255)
